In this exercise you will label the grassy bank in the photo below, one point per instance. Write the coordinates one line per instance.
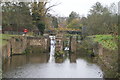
(4, 38)
(107, 41)
(110, 55)
(108, 61)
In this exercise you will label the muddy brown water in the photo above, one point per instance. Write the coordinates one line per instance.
(44, 65)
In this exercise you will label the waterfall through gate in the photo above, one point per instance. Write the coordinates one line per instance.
(52, 49)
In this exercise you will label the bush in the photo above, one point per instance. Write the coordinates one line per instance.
(59, 54)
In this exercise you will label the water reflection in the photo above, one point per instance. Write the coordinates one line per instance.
(44, 65)
(72, 58)
(20, 60)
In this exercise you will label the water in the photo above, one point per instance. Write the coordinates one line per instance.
(43, 65)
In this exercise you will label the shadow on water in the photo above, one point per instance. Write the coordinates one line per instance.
(46, 65)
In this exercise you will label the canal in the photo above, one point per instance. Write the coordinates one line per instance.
(45, 65)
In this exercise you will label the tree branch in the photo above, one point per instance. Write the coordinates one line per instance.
(48, 9)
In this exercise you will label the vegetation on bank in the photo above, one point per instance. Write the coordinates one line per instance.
(107, 41)
(109, 58)
(68, 35)
(4, 38)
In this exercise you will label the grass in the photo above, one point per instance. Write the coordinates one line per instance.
(107, 41)
(68, 35)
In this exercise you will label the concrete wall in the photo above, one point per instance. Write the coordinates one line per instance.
(41, 43)
(59, 43)
(6, 51)
(107, 58)
(98, 49)
(73, 44)
(17, 45)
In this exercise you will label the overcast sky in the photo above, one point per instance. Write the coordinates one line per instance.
(82, 7)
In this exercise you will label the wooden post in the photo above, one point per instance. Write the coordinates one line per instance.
(70, 44)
